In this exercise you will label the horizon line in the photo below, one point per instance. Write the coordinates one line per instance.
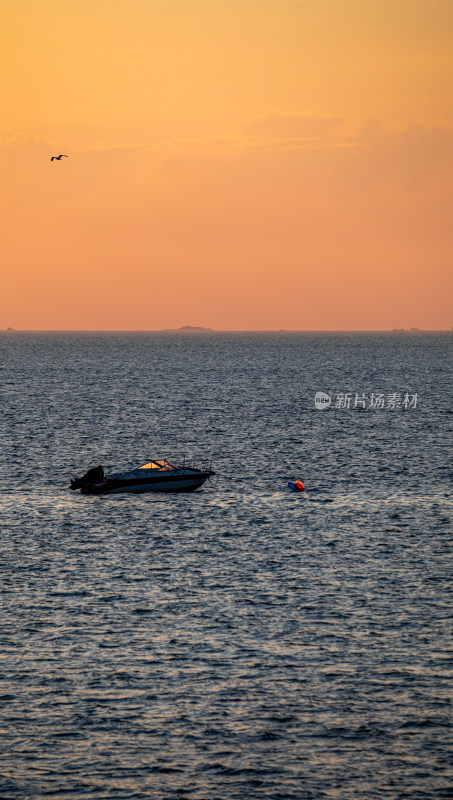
(199, 330)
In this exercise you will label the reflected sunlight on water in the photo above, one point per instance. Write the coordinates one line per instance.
(241, 641)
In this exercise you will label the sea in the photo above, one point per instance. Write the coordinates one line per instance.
(243, 641)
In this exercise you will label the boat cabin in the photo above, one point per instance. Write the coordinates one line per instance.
(161, 466)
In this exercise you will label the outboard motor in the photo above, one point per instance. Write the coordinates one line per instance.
(95, 475)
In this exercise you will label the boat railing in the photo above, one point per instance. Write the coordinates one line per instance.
(200, 464)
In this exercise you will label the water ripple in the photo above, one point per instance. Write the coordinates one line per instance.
(242, 641)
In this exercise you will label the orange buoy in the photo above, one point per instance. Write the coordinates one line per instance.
(298, 486)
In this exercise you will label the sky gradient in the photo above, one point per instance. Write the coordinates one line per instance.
(236, 164)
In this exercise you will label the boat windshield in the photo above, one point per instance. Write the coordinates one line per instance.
(162, 465)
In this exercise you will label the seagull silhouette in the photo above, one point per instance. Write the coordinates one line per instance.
(57, 158)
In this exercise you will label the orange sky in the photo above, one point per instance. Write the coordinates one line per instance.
(237, 164)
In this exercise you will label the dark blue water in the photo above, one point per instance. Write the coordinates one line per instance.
(242, 641)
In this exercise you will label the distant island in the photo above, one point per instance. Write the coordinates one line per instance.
(187, 329)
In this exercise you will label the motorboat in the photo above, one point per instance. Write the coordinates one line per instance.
(154, 476)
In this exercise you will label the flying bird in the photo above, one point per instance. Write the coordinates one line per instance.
(57, 158)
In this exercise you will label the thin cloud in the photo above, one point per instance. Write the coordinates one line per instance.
(293, 126)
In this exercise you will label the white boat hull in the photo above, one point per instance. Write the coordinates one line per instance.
(173, 486)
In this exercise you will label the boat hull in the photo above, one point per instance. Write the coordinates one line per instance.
(164, 483)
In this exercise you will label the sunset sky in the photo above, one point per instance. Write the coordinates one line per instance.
(237, 164)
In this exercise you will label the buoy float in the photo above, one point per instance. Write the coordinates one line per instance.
(298, 486)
